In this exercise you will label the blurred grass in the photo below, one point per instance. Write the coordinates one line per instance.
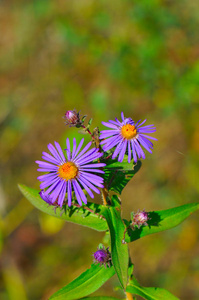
(101, 58)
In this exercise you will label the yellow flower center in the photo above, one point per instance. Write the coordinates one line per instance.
(67, 171)
(128, 131)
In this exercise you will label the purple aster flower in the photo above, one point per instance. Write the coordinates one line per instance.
(102, 256)
(127, 136)
(73, 173)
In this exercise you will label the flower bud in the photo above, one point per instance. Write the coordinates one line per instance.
(72, 118)
(139, 219)
(102, 256)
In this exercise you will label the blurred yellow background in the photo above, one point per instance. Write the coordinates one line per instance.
(100, 57)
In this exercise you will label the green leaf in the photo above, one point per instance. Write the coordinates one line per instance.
(87, 283)
(119, 251)
(114, 164)
(100, 298)
(88, 215)
(117, 174)
(149, 293)
(161, 220)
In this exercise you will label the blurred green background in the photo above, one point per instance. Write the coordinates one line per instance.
(100, 57)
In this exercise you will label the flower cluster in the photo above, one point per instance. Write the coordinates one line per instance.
(127, 136)
(73, 173)
(139, 219)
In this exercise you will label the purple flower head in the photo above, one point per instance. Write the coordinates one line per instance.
(74, 172)
(72, 118)
(102, 256)
(127, 136)
(139, 219)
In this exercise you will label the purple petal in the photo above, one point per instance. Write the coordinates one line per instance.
(51, 188)
(55, 193)
(134, 152)
(109, 125)
(81, 193)
(129, 151)
(68, 148)
(92, 170)
(121, 156)
(83, 151)
(69, 193)
(144, 144)
(89, 184)
(137, 126)
(97, 165)
(74, 148)
(118, 149)
(60, 151)
(117, 123)
(46, 165)
(86, 188)
(50, 158)
(122, 116)
(76, 192)
(149, 137)
(79, 147)
(54, 152)
(46, 183)
(62, 194)
(139, 149)
(92, 179)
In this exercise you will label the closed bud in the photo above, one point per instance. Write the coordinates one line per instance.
(72, 118)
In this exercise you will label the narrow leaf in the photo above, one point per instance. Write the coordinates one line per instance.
(100, 298)
(88, 215)
(149, 293)
(161, 220)
(119, 251)
(87, 283)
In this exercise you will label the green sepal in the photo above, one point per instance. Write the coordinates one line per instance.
(161, 220)
(89, 123)
(119, 250)
(83, 118)
(88, 215)
(87, 283)
(149, 293)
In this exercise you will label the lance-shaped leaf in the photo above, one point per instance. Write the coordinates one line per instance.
(149, 293)
(117, 175)
(100, 298)
(87, 283)
(119, 251)
(88, 215)
(161, 220)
